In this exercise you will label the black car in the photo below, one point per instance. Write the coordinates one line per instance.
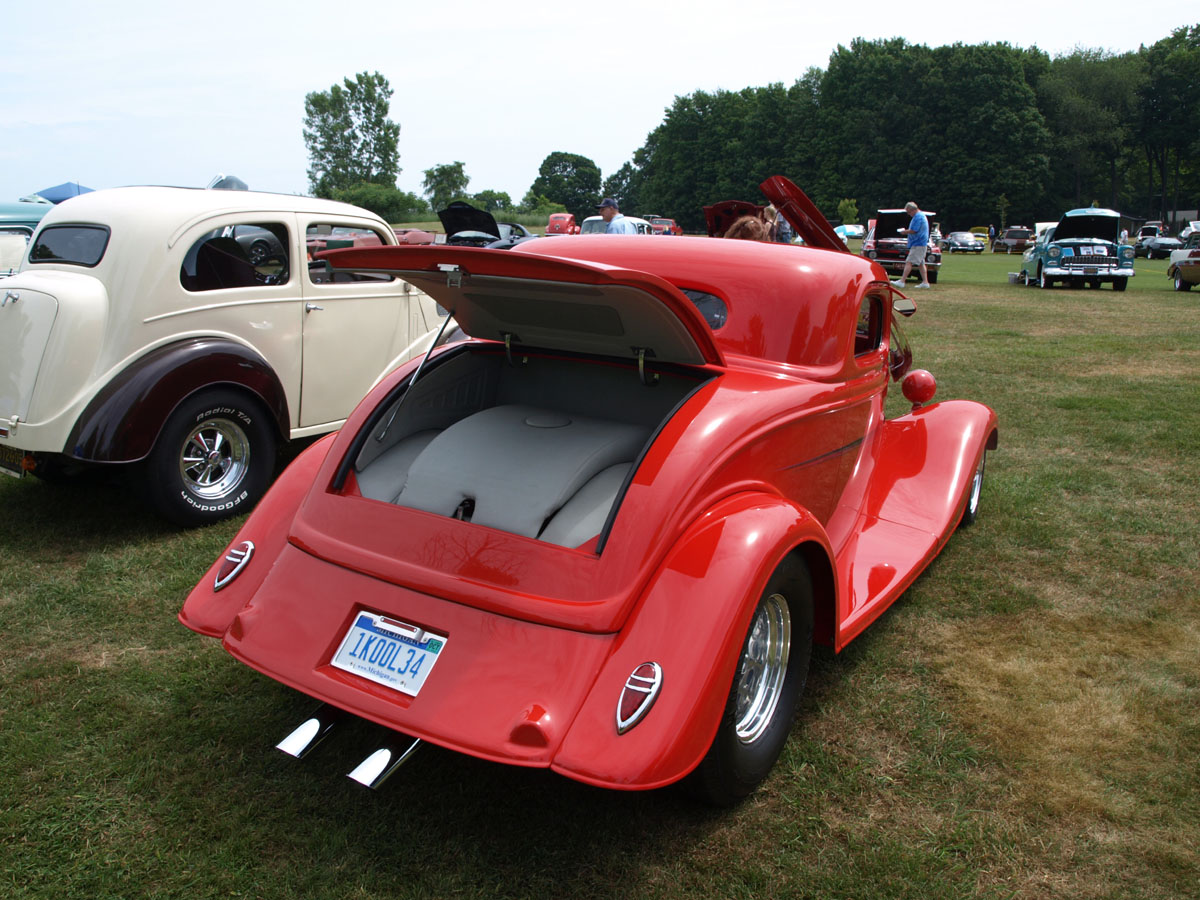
(1157, 246)
(962, 242)
(466, 225)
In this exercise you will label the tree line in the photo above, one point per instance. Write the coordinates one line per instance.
(982, 133)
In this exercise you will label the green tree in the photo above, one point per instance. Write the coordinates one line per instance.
(349, 137)
(389, 203)
(493, 201)
(445, 183)
(848, 211)
(1170, 103)
(623, 186)
(569, 179)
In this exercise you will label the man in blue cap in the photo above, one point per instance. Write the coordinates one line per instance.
(611, 214)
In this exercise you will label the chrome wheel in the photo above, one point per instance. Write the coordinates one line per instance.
(214, 459)
(762, 669)
(972, 509)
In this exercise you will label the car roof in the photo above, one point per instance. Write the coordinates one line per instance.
(170, 210)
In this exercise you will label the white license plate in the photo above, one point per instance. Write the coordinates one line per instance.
(389, 652)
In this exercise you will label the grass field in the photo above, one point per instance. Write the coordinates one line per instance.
(1022, 724)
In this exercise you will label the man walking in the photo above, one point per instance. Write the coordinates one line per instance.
(918, 245)
(617, 223)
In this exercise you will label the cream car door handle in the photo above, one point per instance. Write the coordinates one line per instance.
(309, 307)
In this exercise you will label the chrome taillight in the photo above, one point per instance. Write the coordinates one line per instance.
(233, 563)
(638, 695)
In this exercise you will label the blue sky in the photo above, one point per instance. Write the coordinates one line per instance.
(156, 93)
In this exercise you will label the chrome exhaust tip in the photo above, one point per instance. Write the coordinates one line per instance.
(377, 768)
(311, 731)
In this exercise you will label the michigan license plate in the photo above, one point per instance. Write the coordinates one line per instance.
(10, 461)
(389, 652)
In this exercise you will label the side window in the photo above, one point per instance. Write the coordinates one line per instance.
(868, 331)
(237, 256)
(329, 236)
(711, 306)
(899, 353)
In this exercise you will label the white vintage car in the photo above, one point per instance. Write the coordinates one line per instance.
(184, 333)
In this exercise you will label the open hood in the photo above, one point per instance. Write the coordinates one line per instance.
(1092, 223)
(460, 216)
(804, 217)
(547, 302)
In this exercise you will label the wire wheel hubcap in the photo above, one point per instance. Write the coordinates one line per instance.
(763, 668)
(214, 459)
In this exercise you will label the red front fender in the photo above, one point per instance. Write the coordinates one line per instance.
(691, 621)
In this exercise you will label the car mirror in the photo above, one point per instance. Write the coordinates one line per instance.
(904, 306)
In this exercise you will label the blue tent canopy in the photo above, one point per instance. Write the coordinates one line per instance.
(61, 192)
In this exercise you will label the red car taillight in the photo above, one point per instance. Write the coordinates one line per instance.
(233, 564)
(638, 695)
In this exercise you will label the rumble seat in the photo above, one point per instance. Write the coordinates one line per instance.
(521, 469)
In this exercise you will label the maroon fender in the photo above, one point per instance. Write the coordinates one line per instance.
(123, 421)
(691, 621)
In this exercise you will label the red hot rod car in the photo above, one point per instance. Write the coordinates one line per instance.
(602, 534)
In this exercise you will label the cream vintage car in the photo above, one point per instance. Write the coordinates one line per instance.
(183, 334)
(1184, 268)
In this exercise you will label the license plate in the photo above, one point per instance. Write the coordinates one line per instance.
(1091, 270)
(389, 652)
(10, 461)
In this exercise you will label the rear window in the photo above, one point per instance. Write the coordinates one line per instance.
(79, 245)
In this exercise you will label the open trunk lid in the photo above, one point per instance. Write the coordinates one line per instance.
(549, 302)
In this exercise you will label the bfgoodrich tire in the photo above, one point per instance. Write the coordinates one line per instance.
(769, 680)
(214, 458)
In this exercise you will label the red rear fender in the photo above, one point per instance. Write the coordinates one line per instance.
(211, 612)
(691, 621)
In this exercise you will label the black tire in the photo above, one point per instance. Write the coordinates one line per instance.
(1180, 284)
(762, 699)
(1120, 283)
(1043, 281)
(214, 458)
(971, 510)
(932, 275)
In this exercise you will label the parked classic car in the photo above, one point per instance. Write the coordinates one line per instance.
(562, 223)
(17, 224)
(886, 244)
(1153, 243)
(1083, 248)
(139, 332)
(1184, 268)
(963, 242)
(663, 225)
(469, 226)
(602, 535)
(1188, 230)
(1013, 240)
